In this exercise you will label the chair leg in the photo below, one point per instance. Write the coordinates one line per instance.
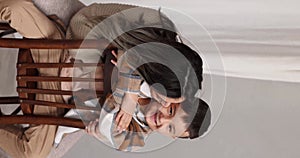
(9, 100)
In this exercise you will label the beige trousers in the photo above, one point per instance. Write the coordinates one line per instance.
(36, 141)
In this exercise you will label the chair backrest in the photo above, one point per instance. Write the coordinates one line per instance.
(28, 76)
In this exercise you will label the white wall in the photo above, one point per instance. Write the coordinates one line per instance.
(259, 118)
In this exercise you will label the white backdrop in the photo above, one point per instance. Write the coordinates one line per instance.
(258, 40)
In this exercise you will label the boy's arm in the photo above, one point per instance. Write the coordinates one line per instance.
(127, 109)
(127, 91)
(105, 130)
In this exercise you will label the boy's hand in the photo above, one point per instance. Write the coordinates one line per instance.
(122, 120)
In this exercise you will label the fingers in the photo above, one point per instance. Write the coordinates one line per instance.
(119, 117)
(127, 121)
(114, 54)
(91, 128)
(113, 62)
(123, 120)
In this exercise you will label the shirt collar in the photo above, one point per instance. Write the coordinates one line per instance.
(139, 117)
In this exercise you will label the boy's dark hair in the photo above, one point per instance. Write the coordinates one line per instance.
(198, 123)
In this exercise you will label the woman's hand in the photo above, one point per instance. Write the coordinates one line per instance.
(123, 120)
(116, 56)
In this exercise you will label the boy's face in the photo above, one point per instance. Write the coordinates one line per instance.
(166, 120)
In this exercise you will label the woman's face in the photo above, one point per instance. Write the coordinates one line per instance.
(164, 100)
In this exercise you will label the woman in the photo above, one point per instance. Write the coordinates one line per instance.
(125, 27)
(31, 23)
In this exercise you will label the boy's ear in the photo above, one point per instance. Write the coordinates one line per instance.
(184, 135)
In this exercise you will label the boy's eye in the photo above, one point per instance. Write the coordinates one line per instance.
(170, 128)
(170, 111)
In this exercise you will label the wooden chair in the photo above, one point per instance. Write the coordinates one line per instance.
(27, 78)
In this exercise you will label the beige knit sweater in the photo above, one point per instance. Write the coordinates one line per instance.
(108, 21)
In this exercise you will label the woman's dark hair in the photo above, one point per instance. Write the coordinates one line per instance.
(199, 115)
(154, 72)
(161, 78)
(173, 82)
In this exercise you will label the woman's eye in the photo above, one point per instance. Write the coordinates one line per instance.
(170, 111)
